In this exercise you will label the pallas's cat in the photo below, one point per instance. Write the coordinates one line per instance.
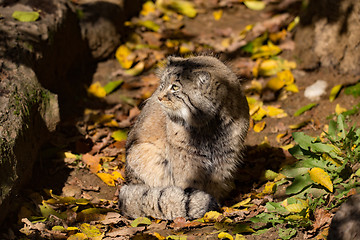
(182, 152)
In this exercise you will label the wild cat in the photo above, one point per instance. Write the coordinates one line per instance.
(182, 152)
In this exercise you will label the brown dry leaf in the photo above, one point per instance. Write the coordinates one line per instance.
(92, 161)
(125, 231)
(322, 217)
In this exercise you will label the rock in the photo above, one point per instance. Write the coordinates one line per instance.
(316, 90)
(44, 66)
(332, 36)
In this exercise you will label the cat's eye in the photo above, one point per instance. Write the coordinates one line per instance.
(175, 88)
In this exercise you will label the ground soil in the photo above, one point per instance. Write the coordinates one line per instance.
(64, 180)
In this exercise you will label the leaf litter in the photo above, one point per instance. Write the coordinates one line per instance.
(307, 172)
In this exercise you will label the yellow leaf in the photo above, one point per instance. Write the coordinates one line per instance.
(147, 8)
(226, 42)
(212, 216)
(321, 177)
(266, 51)
(287, 147)
(299, 125)
(239, 237)
(255, 5)
(225, 235)
(268, 67)
(124, 56)
(242, 203)
(275, 112)
(136, 70)
(158, 236)
(259, 126)
(149, 25)
(180, 6)
(260, 114)
(117, 175)
(295, 207)
(140, 221)
(339, 110)
(119, 135)
(254, 105)
(96, 90)
(286, 76)
(92, 232)
(70, 155)
(106, 178)
(217, 14)
(274, 37)
(275, 84)
(269, 188)
(292, 88)
(255, 86)
(293, 24)
(78, 236)
(279, 136)
(334, 92)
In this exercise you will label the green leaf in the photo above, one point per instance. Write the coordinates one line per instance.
(294, 171)
(119, 135)
(300, 182)
(112, 86)
(140, 221)
(25, 16)
(255, 5)
(303, 140)
(353, 90)
(242, 228)
(287, 233)
(304, 109)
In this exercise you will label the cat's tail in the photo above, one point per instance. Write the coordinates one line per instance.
(165, 202)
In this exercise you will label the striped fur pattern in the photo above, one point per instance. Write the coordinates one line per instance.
(187, 142)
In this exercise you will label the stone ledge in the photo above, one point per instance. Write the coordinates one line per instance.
(38, 64)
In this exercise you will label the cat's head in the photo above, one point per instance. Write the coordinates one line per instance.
(194, 90)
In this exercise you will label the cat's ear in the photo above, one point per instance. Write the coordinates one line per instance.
(203, 78)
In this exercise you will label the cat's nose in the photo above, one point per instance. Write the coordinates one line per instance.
(160, 98)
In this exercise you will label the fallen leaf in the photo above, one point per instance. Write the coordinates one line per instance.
(259, 126)
(180, 6)
(107, 178)
(92, 161)
(292, 88)
(147, 8)
(255, 5)
(96, 90)
(119, 135)
(339, 110)
(293, 24)
(275, 112)
(242, 203)
(304, 109)
(124, 56)
(136, 70)
(322, 217)
(225, 235)
(26, 16)
(92, 232)
(300, 125)
(321, 177)
(334, 92)
(151, 25)
(112, 86)
(140, 221)
(217, 14)
(78, 236)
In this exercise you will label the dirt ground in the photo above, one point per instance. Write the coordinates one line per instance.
(84, 135)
